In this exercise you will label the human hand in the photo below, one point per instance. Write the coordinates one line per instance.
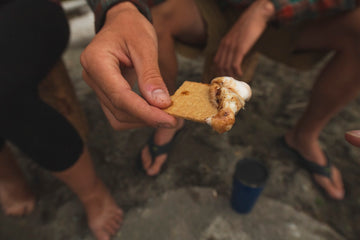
(127, 40)
(353, 137)
(241, 37)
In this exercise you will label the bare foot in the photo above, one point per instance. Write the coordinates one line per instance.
(161, 137)
(104, 216)
(311, 150)
(16, 198)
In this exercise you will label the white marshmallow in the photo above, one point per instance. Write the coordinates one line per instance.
(241, 88)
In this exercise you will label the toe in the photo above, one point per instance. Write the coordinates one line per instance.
(110, 229)
(11, 212)
(119, 213)
(18, 210)
(333, 187)
(26, 211)
(338, 183)
(156, 166)
(29, 207)
(102, 235)
(115, 226)
(146, 158)
(118, 218)
(106, 230)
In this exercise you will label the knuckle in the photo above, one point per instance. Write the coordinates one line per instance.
(118, 121)
(89, 56)
(85, 77)
(116, 100)
(222, 69)
(227, 43)
(235, 67)
(150, 75)
(240, 52)
(84, 59)
(219, 68)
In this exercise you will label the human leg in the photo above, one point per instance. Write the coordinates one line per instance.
(16, 62)
(176, 20)
(47, 138)
(103, 215)
(25, 119)
(16, 199)
(37, 129)
(337, 84)
(173, 20)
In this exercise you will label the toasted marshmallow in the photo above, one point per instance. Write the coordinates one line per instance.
(239, 87)
(228, 96)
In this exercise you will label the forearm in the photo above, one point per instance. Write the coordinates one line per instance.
(293, 11)
(100, 8)
(244, 33)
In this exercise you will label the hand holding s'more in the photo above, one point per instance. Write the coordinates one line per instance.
(216, 103)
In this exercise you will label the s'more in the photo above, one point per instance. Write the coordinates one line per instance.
(216, 103)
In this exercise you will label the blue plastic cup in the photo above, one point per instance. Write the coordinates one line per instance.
(248, 182)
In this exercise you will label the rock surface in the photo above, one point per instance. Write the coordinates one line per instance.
(200, 214)
(291, 206)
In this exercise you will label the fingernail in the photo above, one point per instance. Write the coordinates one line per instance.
(160, 95)
(355, 133)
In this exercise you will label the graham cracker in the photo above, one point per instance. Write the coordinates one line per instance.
(191, 101)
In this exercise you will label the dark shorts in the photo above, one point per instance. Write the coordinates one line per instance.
(34, 35)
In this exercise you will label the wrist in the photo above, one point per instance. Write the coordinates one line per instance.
(120, 7)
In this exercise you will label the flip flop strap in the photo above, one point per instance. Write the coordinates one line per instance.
(316, 168)
(157, 150)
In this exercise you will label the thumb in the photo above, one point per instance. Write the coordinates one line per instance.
(353, 137)
(153, 88)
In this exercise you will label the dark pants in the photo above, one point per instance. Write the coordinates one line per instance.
(33, 35)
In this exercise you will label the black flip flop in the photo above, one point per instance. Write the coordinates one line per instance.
(157, 150)
(311, 167)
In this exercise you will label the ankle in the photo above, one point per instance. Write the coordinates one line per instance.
(93, 191)
(307, 145)
(302, 137)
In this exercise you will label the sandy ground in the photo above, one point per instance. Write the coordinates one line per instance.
(200, 157)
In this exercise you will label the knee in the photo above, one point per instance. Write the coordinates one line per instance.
(11, 98)
(347, 43)
(355, 40)
(162, 32)
(44, 23)
(163, 21)
(41, 20)
(55, 31)
(351, 44)
(349, 40)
